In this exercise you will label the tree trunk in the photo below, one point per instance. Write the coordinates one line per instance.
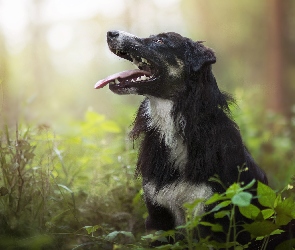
(276, 63)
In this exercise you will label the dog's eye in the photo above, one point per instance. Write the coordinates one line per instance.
(159, 41)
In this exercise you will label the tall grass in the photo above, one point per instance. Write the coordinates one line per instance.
(53, 188)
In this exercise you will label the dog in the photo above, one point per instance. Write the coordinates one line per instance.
(187, 134)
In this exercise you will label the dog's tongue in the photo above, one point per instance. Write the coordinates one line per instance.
(125, 75)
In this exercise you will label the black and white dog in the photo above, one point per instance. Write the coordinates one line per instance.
(185, 125)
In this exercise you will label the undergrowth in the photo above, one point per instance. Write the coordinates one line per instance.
(77, 190)
(266, 222)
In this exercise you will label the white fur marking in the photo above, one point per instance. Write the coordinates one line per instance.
(129, 91)
(173, 197)
(176, 71)
(159, 110)
(122, 36)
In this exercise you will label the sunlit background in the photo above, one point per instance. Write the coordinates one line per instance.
(53, 52)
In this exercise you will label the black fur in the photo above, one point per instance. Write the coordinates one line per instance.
(200, 117)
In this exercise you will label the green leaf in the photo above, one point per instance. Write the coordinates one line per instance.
(214, 198)
(160, 236)
(266, 196)
(217, 228)
(260, 228)
(221, 214)
(233, 190)
(147, 237)
(221, 205)
(282, 219)
(91, 229)
(250, 211)
(286, 207)
(249, 185)
(242, 199)
(278, 200)
(205, 223)
(267, 213)
(113, 235)
(277, 231)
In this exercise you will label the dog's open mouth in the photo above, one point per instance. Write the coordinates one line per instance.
(145, 73)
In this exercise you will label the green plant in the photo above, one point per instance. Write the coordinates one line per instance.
(51, 186)
(276, 212)
(268, 136)
(24, 191)
(76, 189)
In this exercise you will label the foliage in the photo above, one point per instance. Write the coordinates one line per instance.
(268, 136)
(77, 190)
(266, 221)
(52, 186)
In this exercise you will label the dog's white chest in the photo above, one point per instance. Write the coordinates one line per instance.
(160, 113)
(174, 195)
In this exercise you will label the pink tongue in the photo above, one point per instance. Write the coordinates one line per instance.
(131, 74)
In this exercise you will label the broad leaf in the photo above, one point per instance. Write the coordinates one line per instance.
(113, 235)
(267, 213)
(233, 190)
(266, 196)
(221, 214)
(250, 212)
(242, 199)
(221, 205)
(214, 198)
(260, 228)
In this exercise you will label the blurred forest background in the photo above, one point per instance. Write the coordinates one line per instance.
(66, 161)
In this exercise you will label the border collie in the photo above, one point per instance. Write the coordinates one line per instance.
(184, 122)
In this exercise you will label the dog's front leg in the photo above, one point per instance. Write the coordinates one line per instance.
(159, 218)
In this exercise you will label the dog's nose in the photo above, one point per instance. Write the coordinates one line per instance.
(112, 34)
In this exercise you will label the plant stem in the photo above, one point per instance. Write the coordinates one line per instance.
(265, 242)
(189, 232)
(231, 221)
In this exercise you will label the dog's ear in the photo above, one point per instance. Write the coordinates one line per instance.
(199, 55)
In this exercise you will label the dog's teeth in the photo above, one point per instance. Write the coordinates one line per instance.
(143, 78)
(138, 79)
(117, 81)
(144, 60)
(132, 80)
(111, 83)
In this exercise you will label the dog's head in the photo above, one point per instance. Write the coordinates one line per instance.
(164, 62)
